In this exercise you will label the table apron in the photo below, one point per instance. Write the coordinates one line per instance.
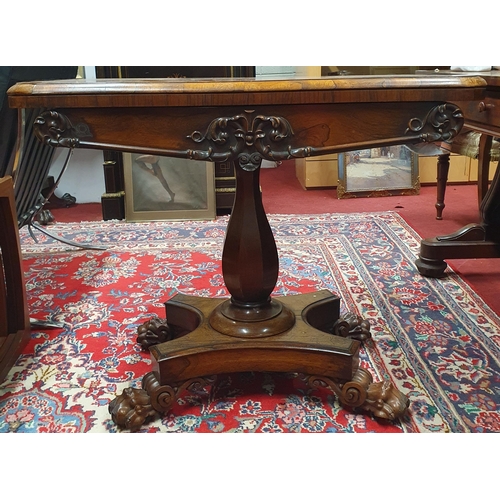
(277, 132)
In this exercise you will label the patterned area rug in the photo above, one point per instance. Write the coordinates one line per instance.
(434, 339)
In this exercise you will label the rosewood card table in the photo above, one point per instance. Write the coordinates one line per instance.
(246, 121)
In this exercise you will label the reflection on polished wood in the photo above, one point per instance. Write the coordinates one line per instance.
(246, 121)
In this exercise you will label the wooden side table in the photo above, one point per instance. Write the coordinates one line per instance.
(246, 121)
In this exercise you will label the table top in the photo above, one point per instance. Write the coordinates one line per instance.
(482, 115)
(238, 91)
(492, 78)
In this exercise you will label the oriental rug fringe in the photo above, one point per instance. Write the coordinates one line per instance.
(434, 339)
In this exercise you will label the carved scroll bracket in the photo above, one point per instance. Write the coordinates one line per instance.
(55, 129)
(442, 123)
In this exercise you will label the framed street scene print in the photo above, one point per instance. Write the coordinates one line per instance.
(381, 171)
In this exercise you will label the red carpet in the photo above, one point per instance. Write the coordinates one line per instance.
(433, 339)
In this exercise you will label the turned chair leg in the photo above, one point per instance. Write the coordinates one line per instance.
(443, 166)
(483, 170)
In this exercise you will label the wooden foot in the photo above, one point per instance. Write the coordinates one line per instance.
(132, 408)
(431, 268)
(473, 241)
(381, 399)
(155, 331)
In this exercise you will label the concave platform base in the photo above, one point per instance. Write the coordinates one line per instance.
(307, 347)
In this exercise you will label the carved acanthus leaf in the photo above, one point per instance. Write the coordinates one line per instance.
(244, 134)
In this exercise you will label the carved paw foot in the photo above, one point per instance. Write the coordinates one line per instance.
(353, 326)
(382, 399)
(152, 332)
(385, 401)
(132, 408)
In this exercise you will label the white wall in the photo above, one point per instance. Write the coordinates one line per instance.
(84, 177)
(273, 71)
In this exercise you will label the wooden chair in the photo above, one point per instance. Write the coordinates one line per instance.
(14, 318)
(475, 145)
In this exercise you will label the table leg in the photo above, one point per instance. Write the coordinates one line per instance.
(483, 169)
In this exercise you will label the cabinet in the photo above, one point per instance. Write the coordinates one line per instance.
(459, 169)
(322, 171)
(287, 71)
(474, 168)
(318, 171)
(462, 169)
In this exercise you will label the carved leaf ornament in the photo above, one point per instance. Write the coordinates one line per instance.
(239, 135)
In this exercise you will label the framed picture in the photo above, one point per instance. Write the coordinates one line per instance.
(163, 188)
(385, 171)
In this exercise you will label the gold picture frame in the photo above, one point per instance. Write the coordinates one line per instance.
(162, 188)
(385, 171)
